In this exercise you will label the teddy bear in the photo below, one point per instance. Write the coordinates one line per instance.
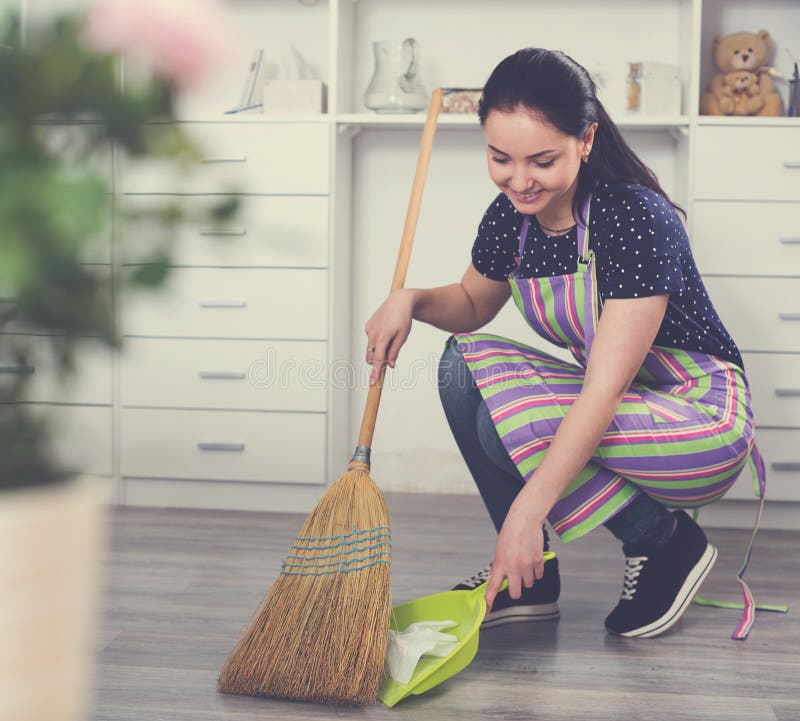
(744, 90)
(736, 53)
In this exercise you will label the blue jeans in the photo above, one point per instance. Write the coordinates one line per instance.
(642, 524)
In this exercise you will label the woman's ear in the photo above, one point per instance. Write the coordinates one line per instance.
(588, 140)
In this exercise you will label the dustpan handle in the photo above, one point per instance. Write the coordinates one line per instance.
(412, 214)
(480, 590)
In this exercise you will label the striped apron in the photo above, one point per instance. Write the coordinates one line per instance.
(682, 433)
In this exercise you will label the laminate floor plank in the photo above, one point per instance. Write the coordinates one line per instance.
(180, 585)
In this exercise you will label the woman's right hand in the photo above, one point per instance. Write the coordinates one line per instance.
(388, 329)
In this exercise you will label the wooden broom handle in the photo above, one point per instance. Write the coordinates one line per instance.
(374, 395)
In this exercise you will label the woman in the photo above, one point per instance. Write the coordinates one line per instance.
(654, 414)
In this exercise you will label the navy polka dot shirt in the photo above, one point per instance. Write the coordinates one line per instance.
(641, 249)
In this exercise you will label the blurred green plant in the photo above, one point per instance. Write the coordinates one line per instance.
(62, 114)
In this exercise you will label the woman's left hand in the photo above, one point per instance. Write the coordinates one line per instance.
(518, 554)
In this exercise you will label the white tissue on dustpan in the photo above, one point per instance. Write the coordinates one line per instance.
(423, 638)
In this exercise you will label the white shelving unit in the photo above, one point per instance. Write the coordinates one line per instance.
(370, 160)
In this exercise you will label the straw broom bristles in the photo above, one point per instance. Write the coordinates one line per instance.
(321, 633)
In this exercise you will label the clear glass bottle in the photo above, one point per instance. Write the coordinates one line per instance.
(396, 85)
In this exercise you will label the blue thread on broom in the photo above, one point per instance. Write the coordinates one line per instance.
(312, 567)
(340, 544)
(341, 566)
(340, 553)
(328, 573)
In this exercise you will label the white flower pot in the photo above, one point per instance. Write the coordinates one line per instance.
(51, 543)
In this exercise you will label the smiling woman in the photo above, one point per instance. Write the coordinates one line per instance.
(655, 412)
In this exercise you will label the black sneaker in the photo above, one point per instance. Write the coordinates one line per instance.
(535, 604)
(659, 587)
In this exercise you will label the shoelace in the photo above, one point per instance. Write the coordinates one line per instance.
(479, 578)
(633, 567)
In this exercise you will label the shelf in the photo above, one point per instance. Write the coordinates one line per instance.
(656, 122)
(257, 118)
(388, 121)
(446, 120)
(402, 120)
(362, 120)
(779, 122)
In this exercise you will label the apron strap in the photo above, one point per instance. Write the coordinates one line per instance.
(591, 311)
(523, 236)
(583, 231)
(749, 606)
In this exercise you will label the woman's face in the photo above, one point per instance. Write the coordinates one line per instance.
(532, 161)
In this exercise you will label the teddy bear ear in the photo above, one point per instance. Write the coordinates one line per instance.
(765, 36)
(715, 44)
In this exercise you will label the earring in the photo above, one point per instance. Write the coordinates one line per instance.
(586, 157)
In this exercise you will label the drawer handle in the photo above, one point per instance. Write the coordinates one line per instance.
(789, 316)
(791, 240)
(787, 392)
(235, 447)
(17, 370)
(223, 375)
(237, 231)
(792, 164)
(222, 303)
(781, 466)
(242, 159)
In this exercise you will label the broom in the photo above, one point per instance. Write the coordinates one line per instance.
(321, 633)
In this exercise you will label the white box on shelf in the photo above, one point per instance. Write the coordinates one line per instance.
(293, 96)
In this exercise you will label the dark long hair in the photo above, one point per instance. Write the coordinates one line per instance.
(552, 84)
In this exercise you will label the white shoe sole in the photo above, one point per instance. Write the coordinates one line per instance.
(690, 587)
(522, 614)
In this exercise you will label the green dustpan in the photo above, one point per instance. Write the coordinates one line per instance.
(467, 609)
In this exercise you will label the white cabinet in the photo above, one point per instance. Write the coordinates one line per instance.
(227, 446)
(288, 231)
(233, 303)
(770, 171)
(257, 158)
(223, 376)
(762, 314)
(287, 376)
(746, 236)
(746, 240)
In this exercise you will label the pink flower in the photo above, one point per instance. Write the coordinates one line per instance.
(181, 40)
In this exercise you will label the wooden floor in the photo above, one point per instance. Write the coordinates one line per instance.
(180, 585)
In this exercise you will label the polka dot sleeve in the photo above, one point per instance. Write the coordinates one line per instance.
(497, 241)
(645, 241)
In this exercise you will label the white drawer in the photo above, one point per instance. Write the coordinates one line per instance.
(780, 449)
(232, 303)
(90, 384)
(267, 231)
(81, 437)
(746, 238)
(762, 314)
(775, 386)
(279, 158)
(224, 374)
(740, 163)
(217, 445)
